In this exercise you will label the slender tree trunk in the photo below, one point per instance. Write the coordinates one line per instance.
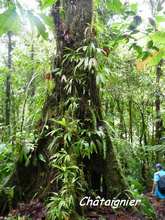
(143, 126)
(112, 112)
(32, 90)
(8, 84)
(130, 119)
(153, 125)
(122, 126)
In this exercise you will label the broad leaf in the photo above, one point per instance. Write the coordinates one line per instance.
(9, 21)
(137, 20)
(47, 20)
(157, 58)
(134, 7)
(115, 5)
(151, 60)
(160, 19)
(159, 38)
(47, 3)
(36, 21)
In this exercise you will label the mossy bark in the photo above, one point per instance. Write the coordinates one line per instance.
(77, 24)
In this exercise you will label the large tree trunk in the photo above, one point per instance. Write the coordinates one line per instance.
(103, 174)
(73, 32)
(159, 127)
(159, 121)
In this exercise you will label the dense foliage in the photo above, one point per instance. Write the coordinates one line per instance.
(127, 55)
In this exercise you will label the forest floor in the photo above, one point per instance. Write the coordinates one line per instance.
(109, 214)
(158, 205)
(36, 211)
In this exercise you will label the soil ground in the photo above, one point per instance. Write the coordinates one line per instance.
(36, 211)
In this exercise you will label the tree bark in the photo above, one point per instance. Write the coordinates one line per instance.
(143, 135)
(130, 119)
(159, 121)
(159, 127)
(122, 126)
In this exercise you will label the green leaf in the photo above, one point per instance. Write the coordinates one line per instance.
(137, 20)
(159, 38)
(41, 157)
(114, 5)
(138, 49)
(157, 58)
(97, 3)
(134, 7)
(47, 3)
(36, 21)
(145, 54)
(9, 21)
(160, 19)
(47, 20)
(62, 122)
(152, 22)
(150, 44)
